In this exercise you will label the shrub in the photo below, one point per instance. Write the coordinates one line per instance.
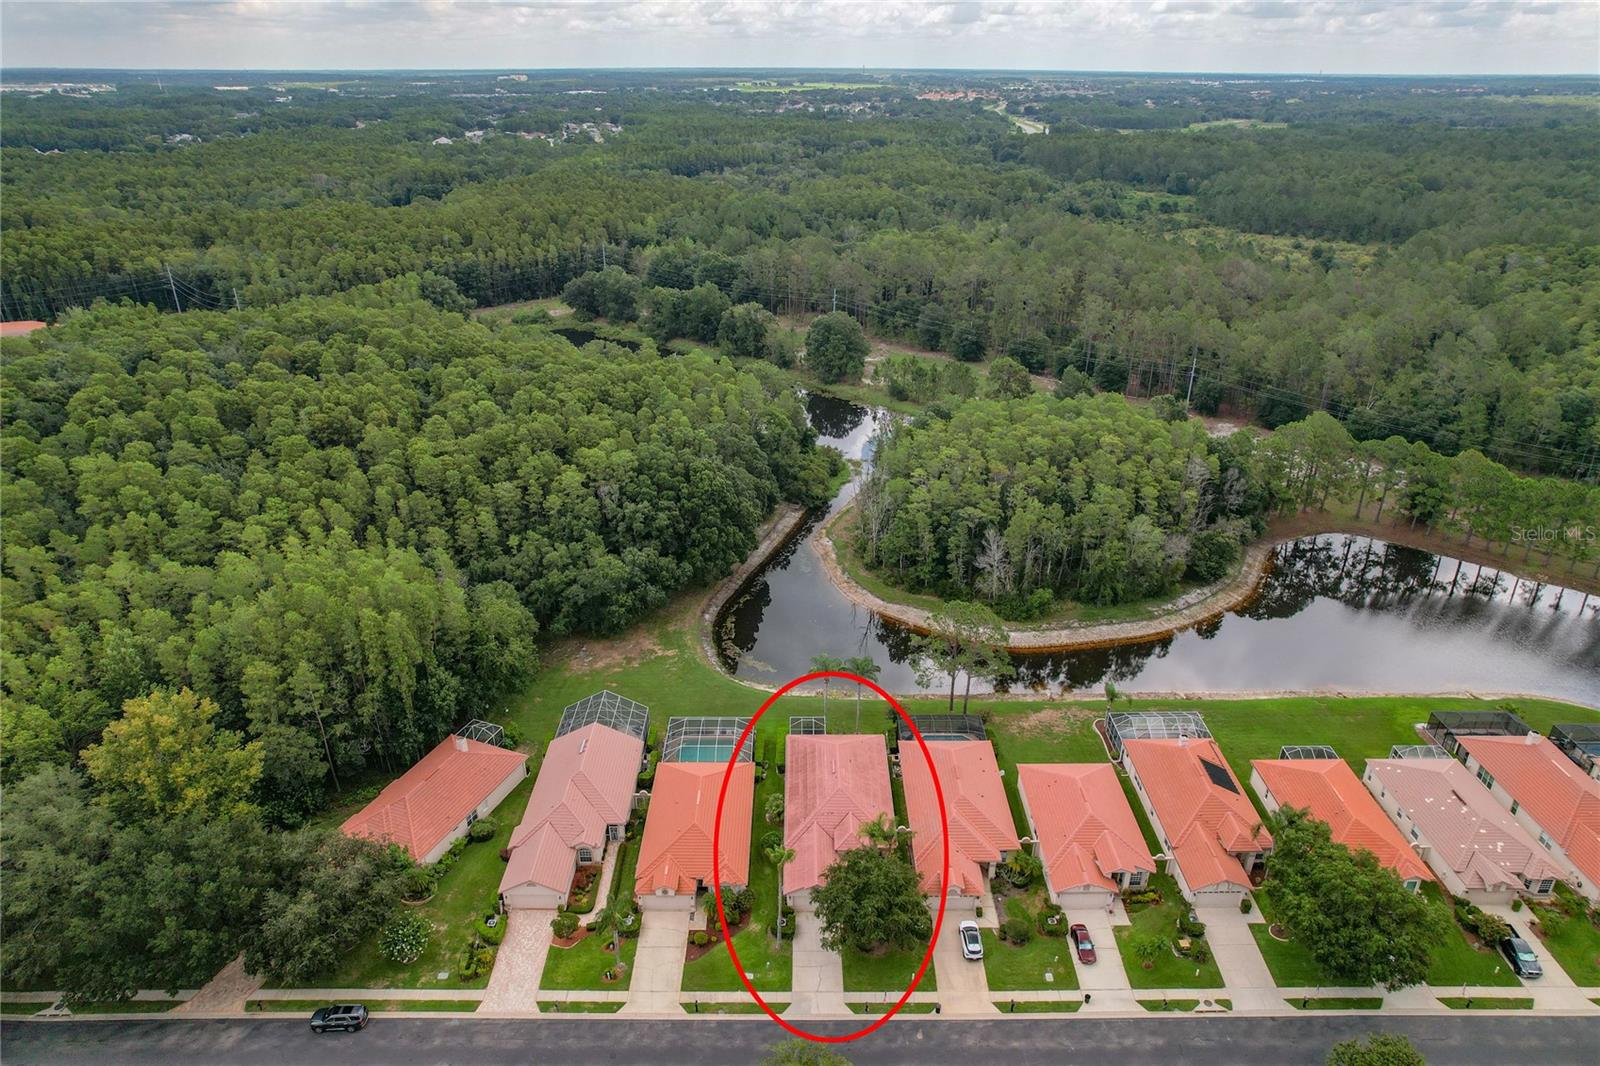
(1018, 930)
(564, 924)
(786, 932)
(1053, 921)
(1190, 926)
(481, 830)
(699, 938)
(1147, 949)
(1516, 904)
(1200, 952)
(418, 883)
(1246, 905)
(491, 934)
(403, 939)
(1143, 899)
(774, 808)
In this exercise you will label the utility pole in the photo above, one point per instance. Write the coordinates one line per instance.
(836, 298)
(174, 287)
(1194, 361)
(237, 306)
(602, 255)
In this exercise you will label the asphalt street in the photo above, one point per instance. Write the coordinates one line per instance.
(1467, 1040)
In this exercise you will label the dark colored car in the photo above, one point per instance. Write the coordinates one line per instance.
(1082, 943)
(349, 1017)
(1520, 955)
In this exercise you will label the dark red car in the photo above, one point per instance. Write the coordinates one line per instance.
(1081, 942)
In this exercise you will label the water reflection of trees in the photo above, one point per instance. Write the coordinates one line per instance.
(832, 417)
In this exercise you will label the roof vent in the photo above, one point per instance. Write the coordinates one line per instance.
(461, 743)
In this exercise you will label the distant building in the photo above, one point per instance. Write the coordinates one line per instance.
(1473, 845)
(443, 140)
(428, 807)
(1549, 796)
(982, 834)
(1085, 833)
(1330, 792)
(19, 327)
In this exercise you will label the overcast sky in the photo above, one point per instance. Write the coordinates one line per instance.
(1349, 36)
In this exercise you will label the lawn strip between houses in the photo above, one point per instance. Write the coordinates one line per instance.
(377, 1006)
(1487, 1002)
(1336, 1003)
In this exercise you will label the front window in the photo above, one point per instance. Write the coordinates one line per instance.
(1413, 883)
(1486, 777)
(1544, 840)
(1515, 806)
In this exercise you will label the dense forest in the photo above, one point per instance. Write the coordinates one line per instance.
(345, 519)
(1427, 273)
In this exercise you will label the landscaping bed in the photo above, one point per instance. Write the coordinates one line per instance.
(1158, 923)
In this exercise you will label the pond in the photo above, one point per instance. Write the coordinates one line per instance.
(1337, 612)
(578, 337)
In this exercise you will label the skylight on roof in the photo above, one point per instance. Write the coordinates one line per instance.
(1219, 776)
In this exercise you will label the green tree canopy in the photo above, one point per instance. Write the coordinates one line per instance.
(836, 348)
(871, 898)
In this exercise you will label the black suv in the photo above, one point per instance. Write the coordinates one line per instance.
(1520, 955)
(350, 1017)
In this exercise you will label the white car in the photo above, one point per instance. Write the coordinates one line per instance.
(971, 942)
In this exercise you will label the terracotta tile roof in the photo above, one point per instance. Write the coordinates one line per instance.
(1205, 821)
(419, 808)
(975, 804)
(19, 327)
(833, 785)
(1086, 829)
(1468, 830)
(676, 850)
(586, 783)
(1561, 798)
(1332, 793)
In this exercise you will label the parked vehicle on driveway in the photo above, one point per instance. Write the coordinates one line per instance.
(971, 941)
(1082, 943)
(349, 1018)
(1520, 955)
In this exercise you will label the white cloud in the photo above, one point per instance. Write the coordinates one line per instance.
(1469, 36)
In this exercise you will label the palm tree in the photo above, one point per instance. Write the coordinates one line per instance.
(823, 664)
(862, 666)
(882, 833)
(777, 855)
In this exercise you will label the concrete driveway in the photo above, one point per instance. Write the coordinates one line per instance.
(1107, 974)
(658, 962)
(519, 964)
(818, 973)
(1244, 971)
(963, 984)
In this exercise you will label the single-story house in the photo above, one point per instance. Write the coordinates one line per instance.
(1085, 833)
(982, 834)
(428, 807)
(1549, 796)
(1210, 831)
(675, 856)
(582, 798)
(1473, 845)
(832, 786)
(1330, 791)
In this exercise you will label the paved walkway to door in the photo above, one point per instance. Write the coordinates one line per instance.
(519, 964)
(658, 962)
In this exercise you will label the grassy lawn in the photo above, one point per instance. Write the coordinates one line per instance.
(550, 1006)
(1337, 1003)
(1573, 942)
(1290, 962)
(1017, 969)
(769, 965)
(466, 893)
(128, 1006)
(1487, 1003)
(296, 1006)
(1169, 1005)
(1457, 962)
(583, 965)
(883, 1008)
(690, 1006)
(1060, 1006)
(890, 972)
(1169, 971)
